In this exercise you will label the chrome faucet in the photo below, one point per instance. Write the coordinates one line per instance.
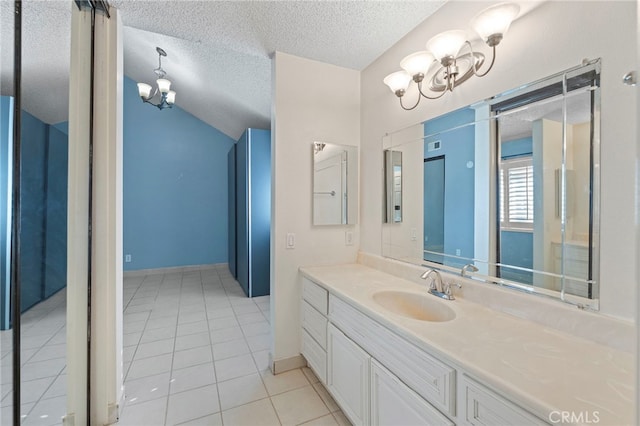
(468, 267)
(436, 283)
(437, 288)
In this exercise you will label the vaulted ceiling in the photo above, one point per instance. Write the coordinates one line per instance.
(218, 52)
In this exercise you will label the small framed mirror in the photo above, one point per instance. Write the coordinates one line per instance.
(335, 184)
(393, 186)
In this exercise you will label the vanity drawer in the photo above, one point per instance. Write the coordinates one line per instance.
(315, 324)
(485, 407)
(426, 375)
(314, 294)
(316, 356)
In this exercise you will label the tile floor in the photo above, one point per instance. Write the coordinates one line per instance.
(195, 353)
(43, 359)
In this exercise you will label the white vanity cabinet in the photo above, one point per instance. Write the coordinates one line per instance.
(348, 376)
(430, 378)
(313, 313)
(378, 377)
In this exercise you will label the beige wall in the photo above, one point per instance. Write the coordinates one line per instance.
(550, 38)
(312, 101)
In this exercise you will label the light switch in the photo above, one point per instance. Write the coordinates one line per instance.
(291, 240)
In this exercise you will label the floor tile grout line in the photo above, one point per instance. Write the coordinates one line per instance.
(213, 360)
(226, 292)
(166, 412)
(146, 321)
(125, 374)
(134, 294)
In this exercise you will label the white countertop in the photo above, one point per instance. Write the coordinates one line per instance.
(539, 368)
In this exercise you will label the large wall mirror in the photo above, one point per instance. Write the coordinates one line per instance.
(510, 185)
(335, 184)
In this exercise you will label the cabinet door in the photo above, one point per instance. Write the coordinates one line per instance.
(483, 407)
(316, 357)
(393, 403)
(348, 376)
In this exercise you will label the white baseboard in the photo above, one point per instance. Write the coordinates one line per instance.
(172, 269)
(281, 365)
(69, 420)
(114, 413)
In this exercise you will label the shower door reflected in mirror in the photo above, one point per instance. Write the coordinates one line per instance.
(545, 197)
(335, 184)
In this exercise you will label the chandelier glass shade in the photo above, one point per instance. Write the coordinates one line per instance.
(446, 63)
(162, 97)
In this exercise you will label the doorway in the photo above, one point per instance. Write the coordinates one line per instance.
(434, 190)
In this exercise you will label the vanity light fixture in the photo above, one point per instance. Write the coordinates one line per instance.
(444, 63)
(167, 97)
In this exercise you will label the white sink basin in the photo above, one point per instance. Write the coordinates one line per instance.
(423, 307)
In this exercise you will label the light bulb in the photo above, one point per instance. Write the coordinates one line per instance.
(171, 97)
(492, 23)
(144, 90)
(163, 85)
(398, 82)
(417, 63)
(447, 44)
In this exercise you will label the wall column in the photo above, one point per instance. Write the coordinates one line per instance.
(106, 292)
(95, 191)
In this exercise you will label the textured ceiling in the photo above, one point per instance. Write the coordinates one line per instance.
(45, 57)
(218, 51)
(519, 124)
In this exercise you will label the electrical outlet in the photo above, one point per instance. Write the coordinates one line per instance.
(348, 238)
(457, 252)
(127, 258)
(414, 234)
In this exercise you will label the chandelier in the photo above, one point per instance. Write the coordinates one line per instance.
(167, 97)
(444, 65)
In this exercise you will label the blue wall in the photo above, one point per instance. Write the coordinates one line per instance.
(175, 187)
(457, 146)
(516, 247)
(516, 148)
(56, 217)
(34, 135)
(43, 221)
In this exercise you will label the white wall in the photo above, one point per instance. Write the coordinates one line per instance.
(312, 101)
(550, 38)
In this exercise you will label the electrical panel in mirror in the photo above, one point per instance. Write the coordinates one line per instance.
(510, 185)
(335, 184)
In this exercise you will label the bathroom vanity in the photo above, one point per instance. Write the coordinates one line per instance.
(391, 354)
